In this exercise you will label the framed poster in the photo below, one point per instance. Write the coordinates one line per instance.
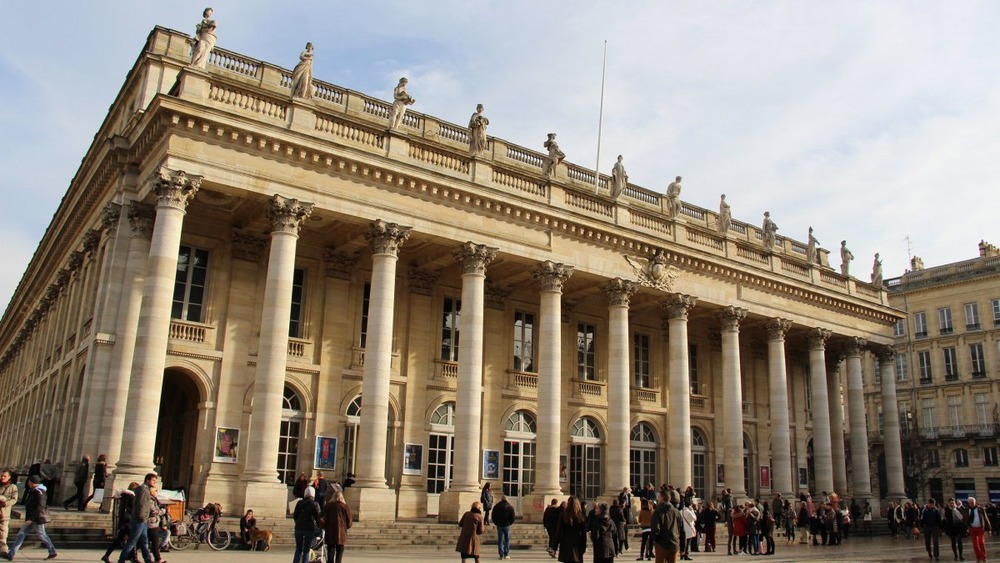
(413, 459)
(227, 440)
(803, 478)
(720, 475)
(765, 477)
(326, 453)
(491, 464)
(563, 468)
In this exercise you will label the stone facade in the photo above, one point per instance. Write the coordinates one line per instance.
(274, 260)
(947, 363)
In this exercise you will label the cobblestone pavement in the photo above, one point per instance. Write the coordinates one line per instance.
(868, 550)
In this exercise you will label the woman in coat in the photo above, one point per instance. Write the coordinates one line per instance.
(688, 517)
(709, 518)
(472, 526)
(646, 525)
(604, 534)
(335, 518)
(618, 518)
(486, 498)
(306, 516)
(571, 533)
(100, 477)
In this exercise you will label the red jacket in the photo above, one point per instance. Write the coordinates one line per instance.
(739, 524)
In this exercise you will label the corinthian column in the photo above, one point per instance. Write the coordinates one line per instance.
(260, 473)
(551, 276)
(174, 190)
(468, 407)
(619, 292)
(781, 445)
(838, 455)
(862, 489)
(679, 437)
(822, 449)
(732, 399)
(890, 424)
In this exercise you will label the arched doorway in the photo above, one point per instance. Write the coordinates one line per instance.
(177, 430)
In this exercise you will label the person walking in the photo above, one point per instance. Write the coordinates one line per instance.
(571, 532)
(550, 520)
(154, 534)
(124, 519)
(142, 509)
(618, 519)
(36, 515)
(666, 531)
(930, 525)
(80, 482)
(503, 519)
(978, 524)
(603, 534)
(866, 519)
(472, 525)
(689, 518)
(486, 499)
(306, 516)
(100, 479)
(788, 519)
(8, 496)
(645, 524)
(336, 519)
(320, 485)
(710, 518)
(954, 526)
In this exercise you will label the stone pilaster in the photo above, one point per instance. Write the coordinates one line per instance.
(861, 471)
(890, 425)
(619, 293)
(677, 307)
(822, 448)
(732, 399)
(781, 445)
(835, 396)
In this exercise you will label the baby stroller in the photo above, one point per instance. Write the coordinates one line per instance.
(317, 550)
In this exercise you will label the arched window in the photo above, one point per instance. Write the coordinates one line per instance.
(585, 455)
(699, 451)
(519, 454)
(441, 448)
(292, 415)
(642, 456)
(352, 425)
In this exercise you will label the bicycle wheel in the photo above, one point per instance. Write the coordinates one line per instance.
(180, 542)
(219, 538)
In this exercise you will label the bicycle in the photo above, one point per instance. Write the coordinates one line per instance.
(197, 532)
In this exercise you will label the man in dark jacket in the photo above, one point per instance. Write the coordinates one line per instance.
(503, 519)
(666, 532)
(35, 517)
(930, 524)
(550, 521)
(79, 481)
(143, 507)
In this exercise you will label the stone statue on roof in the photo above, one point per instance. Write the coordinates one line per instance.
(477, 131)
(845, 259)
(725, 216)
(204, 39)
(769, 231)
(877, 270)
(674, 198)
(302, 75)
(400, 100)
(619, 179)
(555, 155)
(812, 256)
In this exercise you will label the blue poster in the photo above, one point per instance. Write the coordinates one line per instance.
(326, 453)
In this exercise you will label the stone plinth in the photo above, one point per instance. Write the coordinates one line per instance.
(267, 500)
(371, 504)
(453, 504)
(534, 506)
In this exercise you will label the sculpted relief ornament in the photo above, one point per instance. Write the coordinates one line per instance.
(620, 291)
(552, 275)
(287, 214)
(175, 188)
(778, 328)
(731, 316)
(654, 272)
(474, 257)
(386, 238)
(678, 305)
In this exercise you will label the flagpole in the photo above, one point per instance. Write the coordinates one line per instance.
(600, 122)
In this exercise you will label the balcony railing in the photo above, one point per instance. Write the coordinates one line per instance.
(951, 377)
(978, 374)
(588, 388)
(522, 380)
(921, 334)
(926, 380)
(951, 432)
(973, 326)
(947, 330)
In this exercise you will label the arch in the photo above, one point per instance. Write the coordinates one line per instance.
(444, 415)
(290, 400)
(355, 395)
(586, 427)
(354, 408)
(435, 403)
(698, 438)
(595, 416)
(643, 433)
(196, 373)
(516, 406)
(177, 432)
(521, 422)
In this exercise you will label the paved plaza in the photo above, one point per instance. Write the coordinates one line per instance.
(871, 550)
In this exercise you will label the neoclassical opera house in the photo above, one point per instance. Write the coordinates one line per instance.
(240, 286)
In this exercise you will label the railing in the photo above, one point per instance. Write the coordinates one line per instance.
(251, 102)
(704, 239)
(448, 131)
(973, 326)
(187, 331)
(920, 334)
(234, 62)
(978, 374)
(794, 268)
(377, 108)
(357, 357)
(646, 395)
(522, 380)
(698, 402)
(752, 254)
(586, 388)
(299, 348)
(962, 431)
(518, 183)
(650, 222)
(692, 211)
(947, 330)
(438, 158)
(349, 131)
(640, 194)
(444, 369)
(524, 155)
(588, 203)
(328, 92)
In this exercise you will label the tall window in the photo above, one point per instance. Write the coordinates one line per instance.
(961, 457)
(924, 363)
(699, 449)
(189, 284)
(449, 329)
(901, 368)
(642, 455)
(944, 320)
(351, 434)
(950, 364)
(904, 417)
(955, 410)
(880, 419)
(990, 456)
(441, 448)
(524, 342)
(978, 360)
(920, 324)
(298, 294)
(877, 371)
(693, 370)
(972, 316)
(288, 440)
(996, 312)
(982, 408)
(900, 328)
(585, 454)
(927, 408)
(809, 394)
(519, 454)
(640, 356)
(366, 298)
(586, 361)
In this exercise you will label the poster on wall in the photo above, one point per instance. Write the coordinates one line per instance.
(803, 478)
(765, 477)
(413, 459)
(491, 464)
(226, 442)
(563, 468)
(720, 475)
(326, 453)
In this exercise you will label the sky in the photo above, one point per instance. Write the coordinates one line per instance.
(875, 122)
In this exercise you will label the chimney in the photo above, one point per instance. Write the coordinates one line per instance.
(916, 263)
(987, 250)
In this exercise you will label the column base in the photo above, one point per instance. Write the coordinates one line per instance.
(370, 504)
(453, 504)
(534, 506)
(118, 481)
(267, 499)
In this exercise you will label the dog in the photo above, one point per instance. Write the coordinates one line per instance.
(258, 535)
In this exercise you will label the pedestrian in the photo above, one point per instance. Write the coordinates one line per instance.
(486, 499)
(80, 482)
(503, 519)
(571, 533)
(710, 518)
(36, 515)
(665, 530)
(153, 527)
(767, 525)
(306, 516)
(349, 480)
(618, 519)
(645, 525)
(472, 525)
(954, 526)
(124, 520)
(34, 469)
(8, 496)
(689, 518)
(336, 519)
(866, 519)
(603, 534)
(247, 523)
(550, 520)
(979, 525)
(320, 484)
(299, 490)
(142, 509)
(930, 525)
(788, 519)
(100, 479)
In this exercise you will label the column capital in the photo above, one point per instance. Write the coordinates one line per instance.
(620, 292)
(75, 261)
(854, 346)
(730, 317)
(247, 246)
(338, 264)
(141, 217)
(175, 188)
(287, 214)
(552, 275)
(91, 240)
(386, 238)
(818, 338)
(677, 305)
(110, 215)
(474, 257)
(833, 362)
(886, 354)
(777, 328)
